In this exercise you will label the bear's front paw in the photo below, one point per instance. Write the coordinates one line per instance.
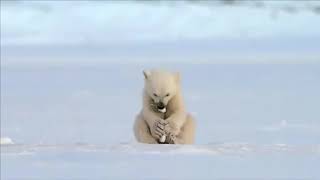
(171, 129)
(158, 129)
(171, 139)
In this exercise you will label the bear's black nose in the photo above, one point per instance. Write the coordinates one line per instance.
(160, 105)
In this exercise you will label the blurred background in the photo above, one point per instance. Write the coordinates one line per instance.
(71, 71)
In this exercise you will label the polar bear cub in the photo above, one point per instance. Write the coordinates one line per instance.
(163, 119)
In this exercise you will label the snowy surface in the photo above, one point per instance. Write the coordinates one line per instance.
(71, 82)
(97, 33)
(238, 103)
(137, 161)
(253, 121)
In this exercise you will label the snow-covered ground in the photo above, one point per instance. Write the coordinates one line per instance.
(71, 82)
(137, 161)
(253, 121)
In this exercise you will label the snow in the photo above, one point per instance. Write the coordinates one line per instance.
(95, 33)
(71, 86)
(34, 22)
(136, 161)
(253, 121)
(215, 149)
(5, 140)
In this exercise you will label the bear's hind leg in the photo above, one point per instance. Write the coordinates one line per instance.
(187, 133)
(142, 131)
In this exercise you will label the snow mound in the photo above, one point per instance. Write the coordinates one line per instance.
(6, 140)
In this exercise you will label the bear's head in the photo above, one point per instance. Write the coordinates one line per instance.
(161, 87)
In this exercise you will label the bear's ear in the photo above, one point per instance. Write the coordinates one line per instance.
(146, 74)
(177, 76)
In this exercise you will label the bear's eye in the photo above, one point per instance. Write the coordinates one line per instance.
(155, 94)
(167, 94)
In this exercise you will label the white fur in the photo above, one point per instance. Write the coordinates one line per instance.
(166, 86)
